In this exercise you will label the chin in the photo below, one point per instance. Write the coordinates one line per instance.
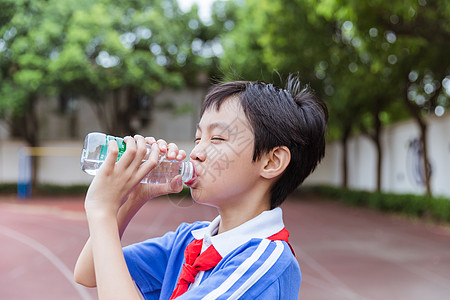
(196, 195)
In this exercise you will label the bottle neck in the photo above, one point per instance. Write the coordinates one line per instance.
(187, 171)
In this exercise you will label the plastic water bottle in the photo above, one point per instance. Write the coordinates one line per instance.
(95, 150)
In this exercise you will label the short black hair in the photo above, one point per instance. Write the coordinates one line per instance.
(293, 117)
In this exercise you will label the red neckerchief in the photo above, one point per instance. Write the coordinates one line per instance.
(196, 262)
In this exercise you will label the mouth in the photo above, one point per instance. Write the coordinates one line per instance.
(191, 182)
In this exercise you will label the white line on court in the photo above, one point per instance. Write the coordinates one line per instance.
(47, 253)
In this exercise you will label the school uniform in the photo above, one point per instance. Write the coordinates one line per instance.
(251, 266)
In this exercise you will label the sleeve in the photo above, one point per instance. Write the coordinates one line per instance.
(260, 269)
(148, 261)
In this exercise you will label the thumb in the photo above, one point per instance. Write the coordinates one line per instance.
(176, 185)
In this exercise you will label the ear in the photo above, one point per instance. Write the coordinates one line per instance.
(275, 162)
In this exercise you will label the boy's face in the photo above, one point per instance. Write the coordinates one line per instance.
(223, 157)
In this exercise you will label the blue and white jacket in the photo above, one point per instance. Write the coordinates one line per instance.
(252, 267)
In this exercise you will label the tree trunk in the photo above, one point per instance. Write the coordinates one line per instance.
(376, 138)
(114, 118)
(344, 142)
(100, 111)
(415, 112)
(126, 113)
(379, 164)
(116, 112)
(425, 161)
(122, 112)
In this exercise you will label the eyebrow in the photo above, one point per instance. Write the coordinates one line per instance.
(219, 125)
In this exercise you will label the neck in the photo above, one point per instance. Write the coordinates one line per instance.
(236, 215)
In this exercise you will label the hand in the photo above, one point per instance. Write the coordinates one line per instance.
(143, 192)
(113, 185)
(115, 181)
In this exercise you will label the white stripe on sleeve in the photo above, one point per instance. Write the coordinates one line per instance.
(240, 271)
(260, 272)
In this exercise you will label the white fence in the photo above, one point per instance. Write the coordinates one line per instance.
(401, 161)
(401, 171)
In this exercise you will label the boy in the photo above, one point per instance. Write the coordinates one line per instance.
(269, 140)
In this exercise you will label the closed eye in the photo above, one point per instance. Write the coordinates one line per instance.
(217, 139)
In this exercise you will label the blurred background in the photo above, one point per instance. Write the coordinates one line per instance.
(123, 67)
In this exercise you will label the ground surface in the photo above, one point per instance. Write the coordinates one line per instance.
(344, 253)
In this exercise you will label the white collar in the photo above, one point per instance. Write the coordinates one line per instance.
(263, 226)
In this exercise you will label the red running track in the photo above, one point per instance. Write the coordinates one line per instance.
(344, 253)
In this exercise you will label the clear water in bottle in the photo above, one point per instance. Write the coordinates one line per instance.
(168, 169)
(95, 150)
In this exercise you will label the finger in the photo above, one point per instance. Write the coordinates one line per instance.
(150, 163)
(150, 140)
(172, 151)
(155, 152)
(162, 145)
(176, 184)
(129, 154)
(111, 157)
(142, 150)
(181, 155)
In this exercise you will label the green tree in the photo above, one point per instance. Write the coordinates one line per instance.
(359, 93)
(116, 54)
(125, 53)
(23, 60)
(405, 44)
(366, 58)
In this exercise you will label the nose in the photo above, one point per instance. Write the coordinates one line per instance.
(198, 153)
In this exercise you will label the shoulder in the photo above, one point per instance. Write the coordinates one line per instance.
(259, 269)
(263, 252)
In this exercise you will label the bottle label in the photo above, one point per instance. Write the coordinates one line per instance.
(120, 143)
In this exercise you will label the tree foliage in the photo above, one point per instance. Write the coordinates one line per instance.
(103, 50)
(374, 62)
(115, 54)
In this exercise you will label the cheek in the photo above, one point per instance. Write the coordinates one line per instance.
(219, 168)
